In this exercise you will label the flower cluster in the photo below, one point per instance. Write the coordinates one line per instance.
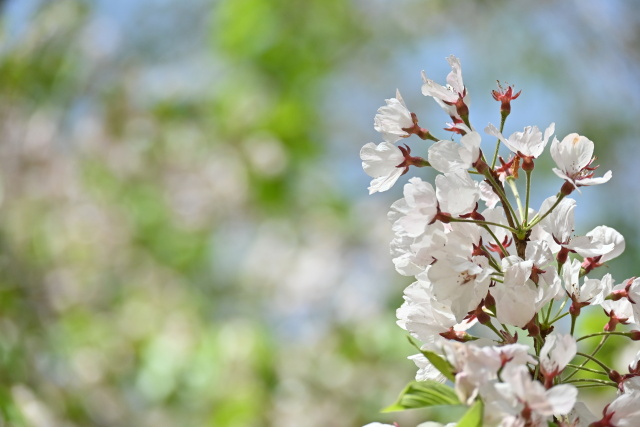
(483, 258)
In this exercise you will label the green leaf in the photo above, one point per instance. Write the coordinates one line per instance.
(473, 417)
(437, 361)
(421, 394)
(440, 364)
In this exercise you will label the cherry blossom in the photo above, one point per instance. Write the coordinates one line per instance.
(573, 156)
(502, 268)
(448, 156)
(461, 281)
(426, 370)
(381, 163)
(417, 209)
(528, 400)
(393, 118)
(453, 98)
(560, 225)
(624, 411)
(457, 193)
(514, 298)
(528, 144)
(558, 350)
(422, 314)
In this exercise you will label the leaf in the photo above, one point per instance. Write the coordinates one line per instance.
(437, 361)
(421, 394)
(473, 417)
(440, 364)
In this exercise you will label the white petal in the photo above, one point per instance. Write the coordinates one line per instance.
(562, 398)
(380, 160)
(457, 193)
(383, 183)
(608, 235)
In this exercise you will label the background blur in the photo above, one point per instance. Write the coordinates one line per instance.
(185, 233)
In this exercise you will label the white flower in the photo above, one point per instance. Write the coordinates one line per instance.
(631, 385)
(573, 156)
(620, 311)
(381, 163)
(544, 273)
(557, 351)
(633, 290)
(560, 222)
(487, 195)
(376, 424)
(529, 401)
(592, 291)
(426, 371)
(514, 298)
(622, 412)
(461, 281)
(448, 156)
(434, 424)
(457, 193)
(608, 236)
(529, 143)
(412, 255)
(447, 96)
(421, 314)
(631, 381)
(560, 225)
(392, 118)
(580, 416)
(417, 209)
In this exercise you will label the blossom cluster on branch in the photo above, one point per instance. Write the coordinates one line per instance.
(483, 258)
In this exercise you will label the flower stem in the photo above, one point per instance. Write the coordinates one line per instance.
(592, 380)
(494, 329)
(582, 368)
(546, 319)
(526, 202)
(483, 223)
(499, 190)
(516, 194)
(504, 251)
(495, 154)
(595, 360)
(559, 317)
(593, 353)
(537, 220)
(597, 334)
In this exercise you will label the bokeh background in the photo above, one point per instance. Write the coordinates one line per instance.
(186, 237)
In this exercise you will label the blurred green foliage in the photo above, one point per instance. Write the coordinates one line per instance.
(115, 203)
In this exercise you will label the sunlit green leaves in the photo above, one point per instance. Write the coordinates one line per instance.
(437, 361)
(473, 417)
(422, 394)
